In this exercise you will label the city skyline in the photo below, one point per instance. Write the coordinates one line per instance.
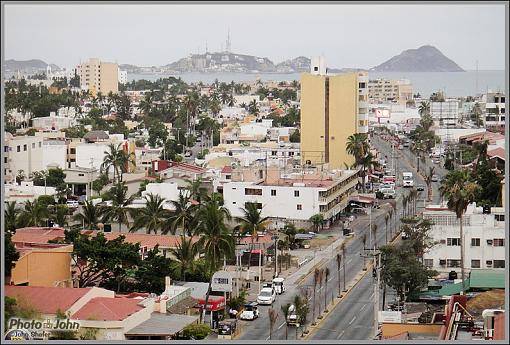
(163, 33)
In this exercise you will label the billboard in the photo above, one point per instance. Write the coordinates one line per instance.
(381, 113)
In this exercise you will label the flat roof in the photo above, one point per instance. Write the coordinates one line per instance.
(163, 324)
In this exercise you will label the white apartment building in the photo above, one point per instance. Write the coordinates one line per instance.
(26, 192)
(145, 156)
(494, 108)
(294, 197)
(445, 113)
(91, 155)
(123, 77)
(53, 122)
(484, 239)
(54, 154)
(384, 90)
(22, 153)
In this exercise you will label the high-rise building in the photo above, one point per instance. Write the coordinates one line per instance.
(333, 107)
(97, 76)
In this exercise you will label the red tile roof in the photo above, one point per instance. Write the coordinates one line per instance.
(187, 166)
(261, 239)
(226, 169)
(149, 241)
(497, 152)
(47, 300)
(108, 309)
(37, 235)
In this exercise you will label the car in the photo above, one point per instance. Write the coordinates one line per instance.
(436, 161)
(420, 187)
(389, 193)
(250, 311)
(278, 284)
(72, 203)
(266, 296)
(435, 178)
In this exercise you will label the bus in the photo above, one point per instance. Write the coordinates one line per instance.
(407, 180)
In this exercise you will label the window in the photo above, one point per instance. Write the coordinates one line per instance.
(499, 264)
(273, 192)
(228, 177)
(81, 174)
(33, 145)
(475, 263)
(274, 153)
(18, 148)
(452, 263)
(259, 205)
(6, 148)
(475, 242)
(5, 160)
(316, 69)
(499, 242)
(428, 262)
(291, 153)
(500, 217)
(252, 191)
(296, 193)
(489, 242)
(453, 241)
(362, 85)
(299, 207)
(488, 263)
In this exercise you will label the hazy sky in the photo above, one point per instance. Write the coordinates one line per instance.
(347, 35)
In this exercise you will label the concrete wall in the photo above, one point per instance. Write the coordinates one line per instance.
(392, 329)
(91, 155)
(54, 154)
(29, 157)
(44, 267)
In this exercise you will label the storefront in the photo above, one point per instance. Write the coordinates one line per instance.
(215, 308)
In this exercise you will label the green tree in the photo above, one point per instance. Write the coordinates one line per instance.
(185, 255)
(152, 217)
(196, 190)
(151, 273)
(488, 180)
(54, 177)
(11, 255)
(90, 215)
(183, 216)
(34, 214)
(196, 331)
(11, 215)
(118, 211)
(317, 221)
(295, 137)
(216, 239)
(100, 182)
(476, 115)
(428, 182)
(158, 134)
(460, 191)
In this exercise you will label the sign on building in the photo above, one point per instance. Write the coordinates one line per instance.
(390, 316)
(222, 281)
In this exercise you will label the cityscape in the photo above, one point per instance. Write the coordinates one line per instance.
(308, 188)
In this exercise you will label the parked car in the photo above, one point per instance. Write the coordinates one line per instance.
(72, 203)
(435, 178)
(266, 296)
(436, 161)
(420, 187)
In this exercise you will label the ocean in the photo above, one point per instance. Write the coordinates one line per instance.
(453, 84)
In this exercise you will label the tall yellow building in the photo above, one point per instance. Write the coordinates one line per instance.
(333, 107)
(97, 76)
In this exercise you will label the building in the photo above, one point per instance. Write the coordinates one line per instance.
(494, 108)
(22, 153)
(333, 107)
(26, 191)
(294, 195)
(98, 76)
(42, 265)
(123, 77)
(53, 122)
(79, 180)
(484, 239)
(388, 90)
(54, 154)
(445, 114)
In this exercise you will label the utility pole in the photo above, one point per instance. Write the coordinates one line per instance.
(377, 267)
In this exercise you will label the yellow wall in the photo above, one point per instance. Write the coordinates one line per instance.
(343, 109)
(109, 78)
(392, 329)
(312, 118)
(44, 267)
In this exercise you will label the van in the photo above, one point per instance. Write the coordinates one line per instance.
(388, 193)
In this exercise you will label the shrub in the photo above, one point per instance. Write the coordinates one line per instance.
(196, 331)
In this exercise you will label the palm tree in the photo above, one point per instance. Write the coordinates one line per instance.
(196, 191)
(326, 276)
(90, 215)
(342, 250)
(317, 221)
(111, 159)
(59, 214)
(11, 215)
(390, 214)
(366, 162)
(119, 211)
(151, 217)
(405, 200)
(273, 316)
(183, 215)
(386, 219)
(460, 191)
(316, 278)
(424, 108)
(338, 263)
(357, 145)
(428, 182)
(251, 223)
(374, 233)
(185, 257)
(321, 277)
(216, 239)
(286, 313)
(34, 214)
(364, 240)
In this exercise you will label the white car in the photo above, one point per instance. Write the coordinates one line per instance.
(72, 203)
(250, 312)
(266, 296)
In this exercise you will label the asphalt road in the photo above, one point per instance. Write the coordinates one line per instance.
(353, 318)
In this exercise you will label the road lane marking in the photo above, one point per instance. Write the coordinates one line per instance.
(283, 324)
(371, 296)
(349, 260)
(340, 335)
(354, 318)
(364, 305)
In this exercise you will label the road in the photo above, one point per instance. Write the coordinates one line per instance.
(353, 318)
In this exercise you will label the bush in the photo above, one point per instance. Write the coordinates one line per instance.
(196, 331)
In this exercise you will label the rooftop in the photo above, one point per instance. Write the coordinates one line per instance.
(108, 309)
(162, 325)
(47, 300)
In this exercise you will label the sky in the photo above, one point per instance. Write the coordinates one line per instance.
(361, 36)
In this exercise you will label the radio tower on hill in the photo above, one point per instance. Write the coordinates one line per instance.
(227, 43)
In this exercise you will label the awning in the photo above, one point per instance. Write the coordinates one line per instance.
(214, 303)
(162, 325)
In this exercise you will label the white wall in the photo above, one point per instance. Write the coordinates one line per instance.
(166, 190)
(28, 160)
(90, 155)
(283, 205)
(54, 154)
